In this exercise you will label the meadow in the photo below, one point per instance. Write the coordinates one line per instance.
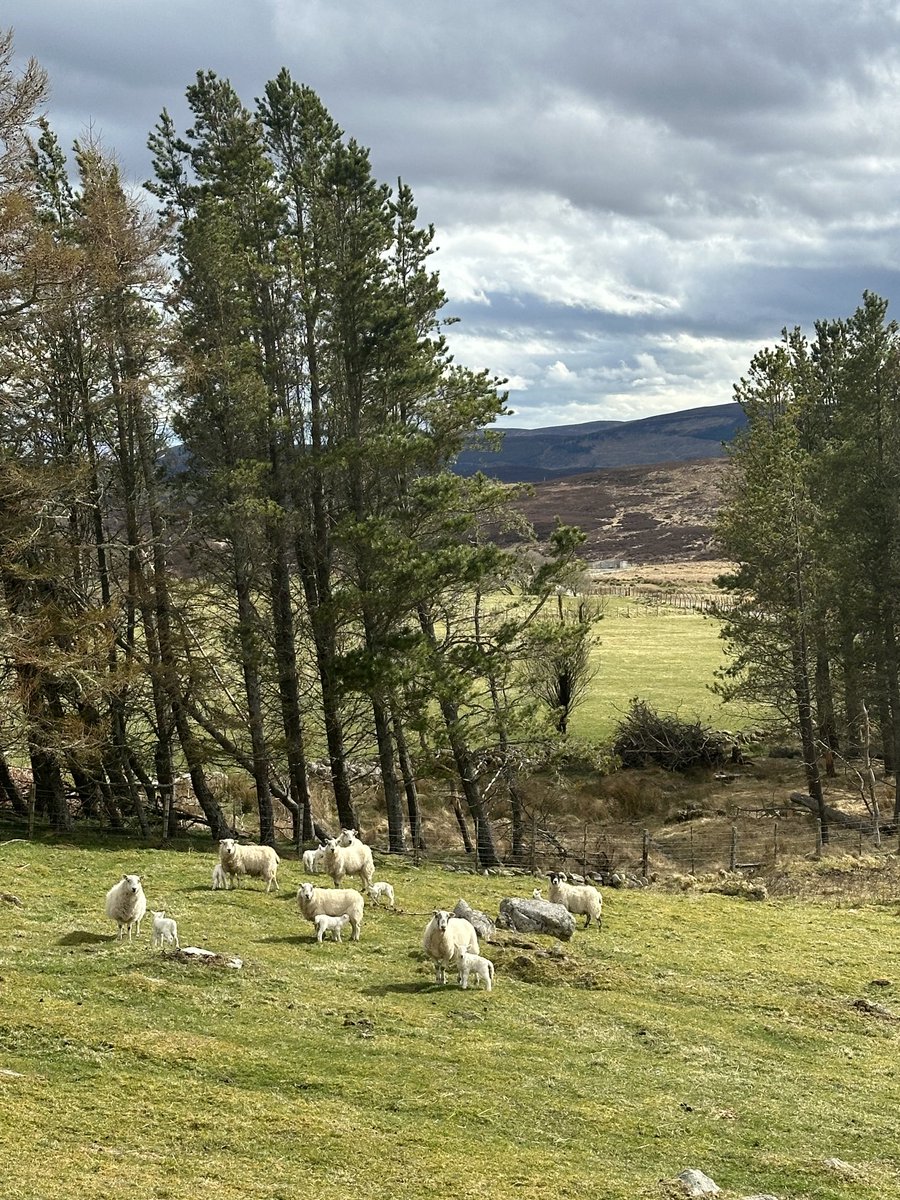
(692, 1031)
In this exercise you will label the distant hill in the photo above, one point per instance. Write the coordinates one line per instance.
(532, 455)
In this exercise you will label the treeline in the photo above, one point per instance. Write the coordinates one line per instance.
(306, 576)
(812, 518)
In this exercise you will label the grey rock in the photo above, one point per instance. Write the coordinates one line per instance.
(483, 924)
(695, 1183)
(760, 1196)
(536, 916)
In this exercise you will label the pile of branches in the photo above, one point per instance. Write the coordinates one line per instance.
(648, 738)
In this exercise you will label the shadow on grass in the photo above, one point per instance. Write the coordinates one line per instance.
(403, 989)
(296, 939)
(82, 937)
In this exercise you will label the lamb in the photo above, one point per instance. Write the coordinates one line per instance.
(355, 859)
(261, 861)
(443, 936)
(537, 894)
(474, 964)
(312, 860)
(377, 890)
(577, 899)
(313, 901)
(333, 925)
(126, 905)
(164, 930)
(219, 878)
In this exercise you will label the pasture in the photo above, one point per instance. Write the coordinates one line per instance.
(693, 1031)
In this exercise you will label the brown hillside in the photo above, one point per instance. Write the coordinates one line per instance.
(660, 513)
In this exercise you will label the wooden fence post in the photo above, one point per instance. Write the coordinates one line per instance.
(645, 853)
(775, 846)
(584, 850)
(477, 842)
(691, 832)
(733, 858)
(534, 843)
(818, 838)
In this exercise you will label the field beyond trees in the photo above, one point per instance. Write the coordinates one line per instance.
(744, 1039)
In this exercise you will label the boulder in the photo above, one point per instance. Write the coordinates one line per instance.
(695, 1183)
(536, 916)
(483, 924)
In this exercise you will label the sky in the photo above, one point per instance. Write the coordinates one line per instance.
(630, 197)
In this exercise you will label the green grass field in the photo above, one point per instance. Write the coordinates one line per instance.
(668, 657)
(692, 1031)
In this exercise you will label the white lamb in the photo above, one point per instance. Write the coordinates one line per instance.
(332, 902)
(577, 898)
(312, 860)
(377, 890)
(537, 894)
(333, 925)
(443, 936)
(219, 878)
(164, 930)
(126, 905)
(474, 964)
(261, 861)
(355, 859)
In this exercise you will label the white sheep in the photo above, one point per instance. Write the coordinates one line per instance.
(443, 936)
(126, 905)
(537, 894)
(219, 878)
(333, 925)
(577, 898)
(348, 837)
(332, 902)
(355, 859)
(312, 860)
(261, 861)
(164, 929)
(474, 964)
(377, 890)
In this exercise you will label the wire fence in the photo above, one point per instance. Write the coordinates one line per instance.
(652, 599)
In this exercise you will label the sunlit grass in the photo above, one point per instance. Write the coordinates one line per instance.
(693, 1031)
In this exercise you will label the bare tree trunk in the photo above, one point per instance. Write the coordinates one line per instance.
(409, 780)
(807, 731)
(460, 819)
(248, 637)
(8, 786)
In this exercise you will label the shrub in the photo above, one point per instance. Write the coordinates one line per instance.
(645, 737)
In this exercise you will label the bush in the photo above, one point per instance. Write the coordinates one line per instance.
(645, 737)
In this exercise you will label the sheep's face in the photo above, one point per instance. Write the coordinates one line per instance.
(305, 891)
(442, 917)
(536, 894)
(228, 845)
(331, 844)
(132, 883)
(557, 877)
(347, 838)
(158, 916)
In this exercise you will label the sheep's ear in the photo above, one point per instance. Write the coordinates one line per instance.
(434, 912)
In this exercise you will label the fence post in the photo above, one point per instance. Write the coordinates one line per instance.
(775, 847)
(31, 792)
(818, 838)
(534, 843)
(584, 850)
(691, 832)
(860, 843)
(733, 860)
(645, 853)
(416, 839)
(477, 841)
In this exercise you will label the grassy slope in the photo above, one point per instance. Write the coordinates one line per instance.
(665, 655)
(693, 1031)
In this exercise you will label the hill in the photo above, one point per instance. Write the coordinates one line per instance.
(532, 455)
(644, 514)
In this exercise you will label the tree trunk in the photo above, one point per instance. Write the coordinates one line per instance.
(396, 832)
(460, 819)
(248, 637)
(8, 786)
(409, 781)
(807, 731)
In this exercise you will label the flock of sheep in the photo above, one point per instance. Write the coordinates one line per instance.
(447, 941)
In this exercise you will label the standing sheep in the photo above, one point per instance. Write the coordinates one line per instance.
(261, 861)
(355, 859)
(219, 878)
(474, 964)
(332, 902)
(578, 899)
(443, 936)
(348, 837)
(126, 905)
(164, 930)
(312, 860)
(333, 925)
(377, 890)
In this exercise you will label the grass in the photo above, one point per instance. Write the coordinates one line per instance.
(694, 1030)
(667, 656)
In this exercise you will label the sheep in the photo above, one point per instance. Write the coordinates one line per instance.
(443, 936)
(577, 899)
(333, 903)
(377, 890)
(164, 929)
(261, 861)
(333, 925)
(348, 837)
(355, 859)
(312, 860)
(537, 894)
(126, 905)
(474, 964)
(219, 878)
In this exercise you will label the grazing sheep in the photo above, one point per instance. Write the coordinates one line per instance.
(355, 859)
(164, 930)
(312, 860)
(313, 901)
(537, 894)
(261, 861)
(443, 936)
(581, 899)
(219, 878)
(377, 890)
(474, 964)
(333, 925)
(126, 905)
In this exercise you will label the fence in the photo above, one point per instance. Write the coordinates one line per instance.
(653, 600)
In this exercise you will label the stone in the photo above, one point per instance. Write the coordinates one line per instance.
(209, 958)
(483, 924)
(695, 1183)
(536, 916)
